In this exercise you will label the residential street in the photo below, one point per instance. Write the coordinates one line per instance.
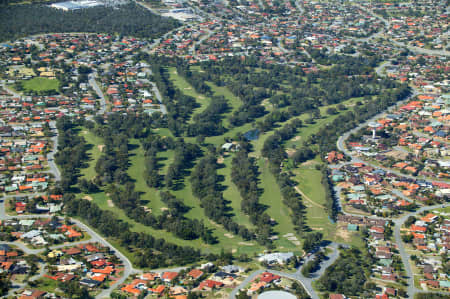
(99, 92)
(306, 282)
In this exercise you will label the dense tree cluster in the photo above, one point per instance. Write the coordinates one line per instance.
(152, 253)
(128, 19)
(244, 174)
(273, 149)
(172, 220)
(71, 151)
(185, 155)
(206, 186)
(179, 106)
(330, 204)
(195, 79)
(348, 274)
(5, 283)
(312, 241)
(209, 122)
(113, 163)
(313, 265)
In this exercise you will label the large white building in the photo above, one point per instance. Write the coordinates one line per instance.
(74, 5)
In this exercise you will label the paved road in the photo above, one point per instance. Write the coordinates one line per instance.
(306, 282)
(99, 93)
(411, 288)
(159, 98)
(51, 155)
(403, 45)
(203, 38)
(23, 247)
(341, 145)
(14, 94)
(148, 8)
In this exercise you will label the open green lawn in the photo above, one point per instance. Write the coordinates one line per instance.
(187, 89)
(233, 101)
(307, 176)
(232, 195)
(276, 209)
(46, 284)
(40, 84)
(94, 152)
(308, 179)
(136, 172)
(232, 243)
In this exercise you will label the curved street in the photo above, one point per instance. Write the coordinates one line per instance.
(306, 282)
(411, 288)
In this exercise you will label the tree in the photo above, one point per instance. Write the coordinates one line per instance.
(242, 295)
(5, 283)
(312, 240)
(331, 111)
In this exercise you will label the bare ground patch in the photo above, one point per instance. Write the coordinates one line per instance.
(110, 203)
(317, 228)
(290, 152)
(88, 197)
(100, 147)
(246, 243)
(310, 163)
(343, 233)
(352, 210)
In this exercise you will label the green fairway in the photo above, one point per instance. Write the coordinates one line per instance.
(226, 241)
(39, 84)
(94, 152)
(309, 180)
(187, 89)
(232, 195)
(136, 173)
(276, 209)
(233, 101)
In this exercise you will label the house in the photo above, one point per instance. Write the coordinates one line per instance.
(158, 290)
(337, 296)
(149, 276)
(33, 294)
(169, 276)
(276, 258)
(208, 285)
(90, 283)
(255, 287)
(269, 277)
(195, 273)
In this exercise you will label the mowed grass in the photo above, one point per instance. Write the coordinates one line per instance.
(233, 102)
(188, 90)
(136, 172)
(40, 84)
(309, 182)
(309, 179)
(95, 143)
(232, 194)
(233, 244)
(276, 209)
